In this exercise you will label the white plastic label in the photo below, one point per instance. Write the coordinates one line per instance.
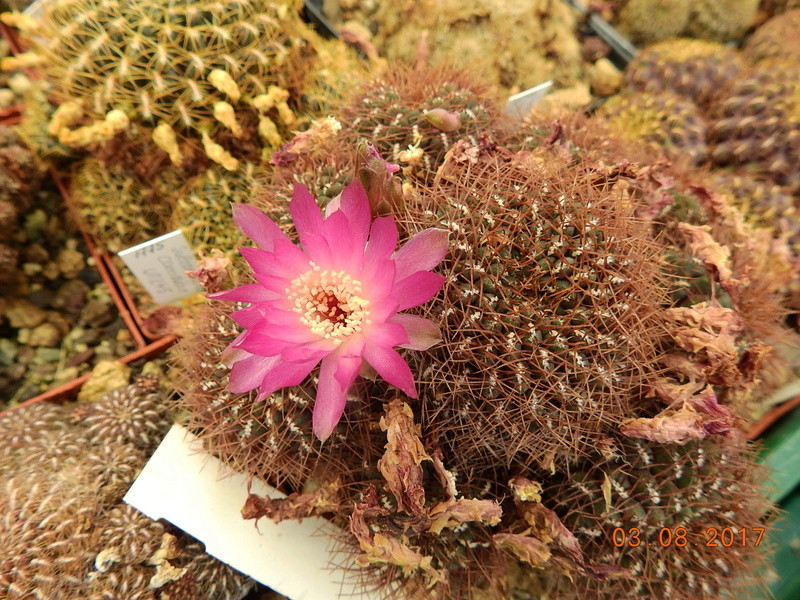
(520, 105)
(197, 493)
(160, 265)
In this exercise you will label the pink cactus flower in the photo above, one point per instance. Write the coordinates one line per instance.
(335, 301)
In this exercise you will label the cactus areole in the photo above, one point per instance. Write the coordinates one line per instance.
(335, 301)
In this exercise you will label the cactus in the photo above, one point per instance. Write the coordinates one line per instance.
(721, 20)
(774, 39)
(65, 532)
(561, 336)
(512, 44)
(755, 122)
(667, 122)
(672, 499)
(777, 7)
(393, 113)
(693, 68)
(206, 71)
(650, 21)
(118, 208)
(32, 129)
(203, 209)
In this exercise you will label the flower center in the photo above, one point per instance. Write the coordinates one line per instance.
(330, 303)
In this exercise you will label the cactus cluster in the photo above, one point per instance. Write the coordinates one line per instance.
(65, 532)
(565, 337)
(515, 44)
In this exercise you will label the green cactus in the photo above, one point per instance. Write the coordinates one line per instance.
(118, 208)
(203, 210)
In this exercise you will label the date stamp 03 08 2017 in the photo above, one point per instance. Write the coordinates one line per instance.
(679, 537)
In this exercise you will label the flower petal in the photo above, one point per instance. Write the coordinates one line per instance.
(285, 374)
(252, 292)
(248, 317)
(382, 240)
(355, 206)
(391, 366)
(336, 375)
(387, 335)
(257, 226)
(305, 212)
(286, 261)
(347, 250)
(260, 343)
(422, 333)
(421, 253)
(316, 247)
(248, 373)
(416, 289)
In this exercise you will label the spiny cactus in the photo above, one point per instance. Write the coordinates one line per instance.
(64, 532)
(775, 39)
(659, 511)
(130, 415)
(208, 71)
(649, 21)
(721, 20)
(203, 210)
(755, 122)
(692, 68)
(271, 439)
(667, 122)
(117, 207)
(393, 112)
(32, 129)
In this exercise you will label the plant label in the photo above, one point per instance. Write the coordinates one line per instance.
(197, 493)
(160, 265)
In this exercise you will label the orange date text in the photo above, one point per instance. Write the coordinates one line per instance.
(679, 537)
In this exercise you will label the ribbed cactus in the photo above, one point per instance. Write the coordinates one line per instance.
(219, 74)
(692, 68)
(755, 122)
